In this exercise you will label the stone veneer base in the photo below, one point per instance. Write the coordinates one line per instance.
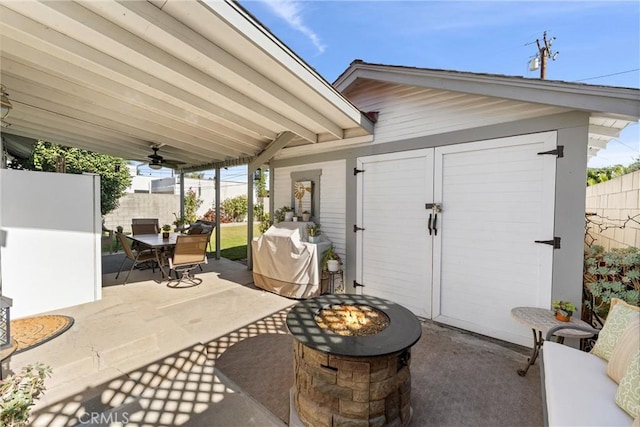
(331, 390)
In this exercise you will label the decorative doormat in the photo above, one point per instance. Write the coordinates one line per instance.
(33, 331)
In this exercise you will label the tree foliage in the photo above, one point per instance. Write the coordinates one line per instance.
(598, 175)
(261, 185)
(235, 207)
(114, 175)
(191, 205)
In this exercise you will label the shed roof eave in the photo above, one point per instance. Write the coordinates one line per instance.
(622, 102)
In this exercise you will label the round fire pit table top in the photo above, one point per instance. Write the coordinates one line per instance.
(404, 329)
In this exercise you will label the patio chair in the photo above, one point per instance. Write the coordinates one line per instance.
(194, 229)
(144, 228)
(136, 256)
(201, 227)
(146, 221)
(190, 252)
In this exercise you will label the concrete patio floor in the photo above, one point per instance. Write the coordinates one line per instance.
(145, 355)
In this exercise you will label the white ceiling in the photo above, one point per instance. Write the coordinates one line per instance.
(202, 80)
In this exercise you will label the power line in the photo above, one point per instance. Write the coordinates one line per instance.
(608, 75)
(635, 150)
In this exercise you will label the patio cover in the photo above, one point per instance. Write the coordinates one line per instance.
(201, 80)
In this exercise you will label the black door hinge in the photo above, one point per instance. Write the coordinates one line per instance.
(356, 284)
(356, 228)
(356, 171)
(555, 242)
(559, 151)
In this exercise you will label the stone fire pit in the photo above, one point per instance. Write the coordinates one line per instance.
(351, 379)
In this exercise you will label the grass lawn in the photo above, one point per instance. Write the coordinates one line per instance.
(233, 241)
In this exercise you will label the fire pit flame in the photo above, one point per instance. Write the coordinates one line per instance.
(351, 319)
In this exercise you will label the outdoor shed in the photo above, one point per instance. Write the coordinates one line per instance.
(468, 199)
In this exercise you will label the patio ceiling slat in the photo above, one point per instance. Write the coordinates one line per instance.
(204, 81)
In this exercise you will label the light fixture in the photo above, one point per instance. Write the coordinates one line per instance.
(4, 103)
(155, 166)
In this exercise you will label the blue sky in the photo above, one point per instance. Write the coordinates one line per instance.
(598, 42)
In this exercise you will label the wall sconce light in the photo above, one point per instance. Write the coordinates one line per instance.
(256, 174)
(4, 103)
(5, 322)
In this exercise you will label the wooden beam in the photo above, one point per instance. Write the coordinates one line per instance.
(604, 131)
(276, 145)
(600, 143)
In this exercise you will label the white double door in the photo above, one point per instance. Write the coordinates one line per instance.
(449, 232)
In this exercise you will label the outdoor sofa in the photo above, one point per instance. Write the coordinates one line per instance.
(600, 388)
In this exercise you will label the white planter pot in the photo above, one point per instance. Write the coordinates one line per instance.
(306, 217)
(314, 239)
(288, 216)
(333, 265)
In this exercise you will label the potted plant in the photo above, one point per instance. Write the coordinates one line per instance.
(306, 215)
(166, 229)
(563, 310)
(179, 222)
(313, 232)
(331, 260)
(288, 213)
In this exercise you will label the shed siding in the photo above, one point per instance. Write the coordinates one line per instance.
(332, 198)
(409, 111)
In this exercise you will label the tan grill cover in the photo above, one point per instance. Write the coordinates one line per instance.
(285, 265)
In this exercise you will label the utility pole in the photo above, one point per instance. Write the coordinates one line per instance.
(544, 52)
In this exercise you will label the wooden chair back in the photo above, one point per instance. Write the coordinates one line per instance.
(124, 242)
(144, 229)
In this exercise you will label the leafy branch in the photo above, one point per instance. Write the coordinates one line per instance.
(19, 392)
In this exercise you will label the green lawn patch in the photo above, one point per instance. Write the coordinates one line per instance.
(233, 241)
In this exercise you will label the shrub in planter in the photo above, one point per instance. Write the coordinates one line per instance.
(330, 255)
(613, 274)
(19, 392)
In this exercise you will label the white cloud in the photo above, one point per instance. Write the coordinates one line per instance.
(290, 11)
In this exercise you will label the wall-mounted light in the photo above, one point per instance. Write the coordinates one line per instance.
(4, 103)
(256, 174)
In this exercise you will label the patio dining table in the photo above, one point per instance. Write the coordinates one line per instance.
(157, 243)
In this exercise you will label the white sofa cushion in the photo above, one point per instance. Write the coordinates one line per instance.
(578, 390)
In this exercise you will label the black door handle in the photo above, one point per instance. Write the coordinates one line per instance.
(429, 224)
(435, 229)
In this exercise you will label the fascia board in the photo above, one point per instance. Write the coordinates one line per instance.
(602, 99)
(245, 26)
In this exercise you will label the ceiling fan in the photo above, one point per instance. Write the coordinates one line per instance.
(158, 162)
